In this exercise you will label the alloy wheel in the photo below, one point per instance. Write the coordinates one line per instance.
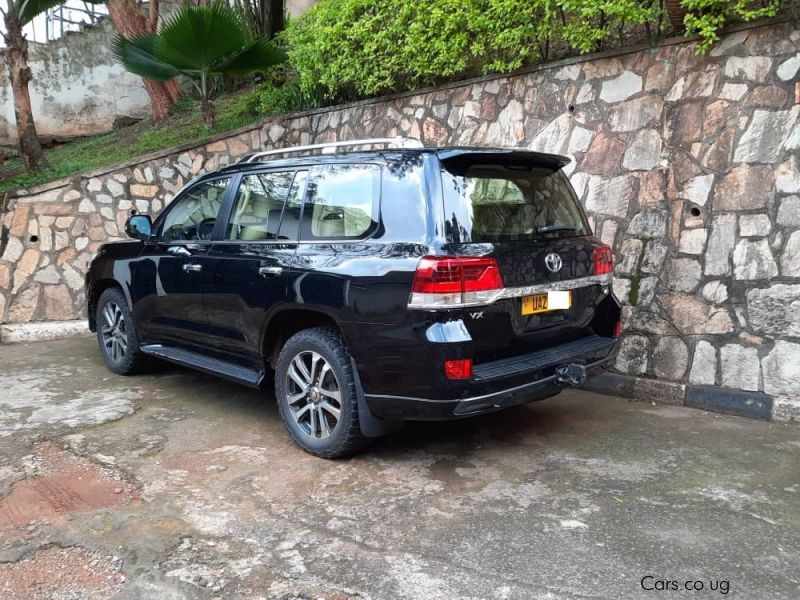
(114, 332)
(313, 394)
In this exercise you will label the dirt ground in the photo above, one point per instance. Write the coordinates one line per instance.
(177, 485)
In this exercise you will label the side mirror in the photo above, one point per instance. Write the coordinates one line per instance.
(139, 227)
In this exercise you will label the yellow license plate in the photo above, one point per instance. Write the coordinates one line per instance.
(542, 303)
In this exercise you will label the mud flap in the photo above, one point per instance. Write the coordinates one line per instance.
(370, 425)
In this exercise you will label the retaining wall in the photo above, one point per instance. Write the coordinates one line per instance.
(687, 164)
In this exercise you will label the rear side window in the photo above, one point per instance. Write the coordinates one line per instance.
(341, 202)
(491, 203)
(258, 207)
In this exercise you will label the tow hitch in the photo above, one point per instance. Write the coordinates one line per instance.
(571, 375)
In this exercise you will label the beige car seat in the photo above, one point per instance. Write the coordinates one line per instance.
(252, 217)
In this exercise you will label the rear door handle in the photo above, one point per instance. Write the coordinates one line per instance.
(192, 268)
(270, 271)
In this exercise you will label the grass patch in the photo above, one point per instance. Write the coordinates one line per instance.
(86, 154)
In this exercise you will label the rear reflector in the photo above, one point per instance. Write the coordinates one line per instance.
(617, 331)
(458, 369)
(455, 281)
(603, 260)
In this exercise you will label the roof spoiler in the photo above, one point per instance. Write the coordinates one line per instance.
(459, 159)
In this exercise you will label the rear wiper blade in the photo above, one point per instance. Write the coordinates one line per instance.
(551, 228)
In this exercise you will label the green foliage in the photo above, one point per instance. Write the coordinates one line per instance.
(278, 93)
(706, 17)
(346, 49)
(590, 22)
(96, 151)
(198, 41)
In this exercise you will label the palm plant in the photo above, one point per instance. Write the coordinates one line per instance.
(16, 15)
(200, 42)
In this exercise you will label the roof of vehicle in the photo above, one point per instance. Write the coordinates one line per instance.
(456, 154)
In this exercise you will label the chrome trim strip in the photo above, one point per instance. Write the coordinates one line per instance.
(567, 284)
(526, 290)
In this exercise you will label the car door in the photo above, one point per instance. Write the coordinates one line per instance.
(251, 260)
(168, 277)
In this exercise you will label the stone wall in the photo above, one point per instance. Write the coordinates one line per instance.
(687, 164)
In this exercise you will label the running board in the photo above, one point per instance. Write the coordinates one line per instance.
(206, 364)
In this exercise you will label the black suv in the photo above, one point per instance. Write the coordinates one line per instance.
(374, 286)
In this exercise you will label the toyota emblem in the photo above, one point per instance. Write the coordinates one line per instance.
(553, 262)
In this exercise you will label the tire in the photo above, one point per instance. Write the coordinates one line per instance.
(308, 400)
(116, 334)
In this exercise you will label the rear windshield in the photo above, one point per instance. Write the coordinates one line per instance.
(491, 203)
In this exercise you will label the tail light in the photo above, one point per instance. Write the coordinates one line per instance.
(458, 369)
(455, 281)
(617, 331)
(603, 260)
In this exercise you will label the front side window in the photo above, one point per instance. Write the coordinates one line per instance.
(258, 206)
(194, 214)
(497, 203)
(341, 202)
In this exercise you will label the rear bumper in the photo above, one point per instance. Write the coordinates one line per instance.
(542, 382)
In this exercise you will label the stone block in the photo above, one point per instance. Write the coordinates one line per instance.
(58, 303)
(790, 259)
(789, 212)
(787, 177)
(610, 196)
(764, 139)
(740, 367)
(781, 369)
(745, 188)
(621, 88)
(752, 259)
(633, 355)
(720, 245)
(684, 274)
(693, 241)
(775, 310)
(670, 358)
(704, 364)
(715, 291)
(752, 68)
(644, 153)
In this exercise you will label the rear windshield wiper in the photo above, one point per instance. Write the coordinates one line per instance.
(556, 227)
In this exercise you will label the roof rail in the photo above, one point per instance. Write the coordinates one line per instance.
(331, 147)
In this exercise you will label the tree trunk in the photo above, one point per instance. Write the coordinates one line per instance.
(277, 23)
(129, 22)
(17, 59)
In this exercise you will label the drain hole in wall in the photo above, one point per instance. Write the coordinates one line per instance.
(34, 238)
(695, 212)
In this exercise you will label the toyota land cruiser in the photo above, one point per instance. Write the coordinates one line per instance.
(392, 282)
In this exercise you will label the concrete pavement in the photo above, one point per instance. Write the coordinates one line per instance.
(178, 485)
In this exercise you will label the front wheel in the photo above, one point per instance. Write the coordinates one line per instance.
(116, 334)
(316, 393)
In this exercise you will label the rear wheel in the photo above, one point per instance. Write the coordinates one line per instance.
(116, 334)
(316, 393)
